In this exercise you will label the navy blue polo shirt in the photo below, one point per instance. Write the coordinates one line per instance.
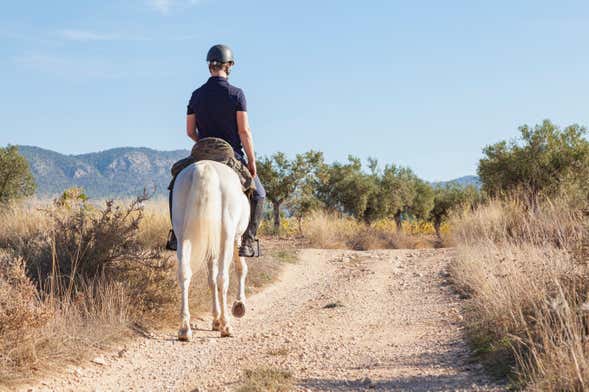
(215, 104)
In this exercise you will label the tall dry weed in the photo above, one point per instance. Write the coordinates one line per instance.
(552, 222)
(527, 277)
(332, 231)
(154, 227)
(40, 333)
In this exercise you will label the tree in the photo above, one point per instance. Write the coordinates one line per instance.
(344, 187)
(304, 200)
(392, 192)
(423, 202)
(449, 198)
(16, 180)
(282, 177)
(401, 183)
(543, 162)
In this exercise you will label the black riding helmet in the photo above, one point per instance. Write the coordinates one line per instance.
(220, 54)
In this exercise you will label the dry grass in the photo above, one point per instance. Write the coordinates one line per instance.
(329, 231)
(153, 229)
(44, 333)
(527, 278)
(72, 285)
(280, 351)
(265, 379)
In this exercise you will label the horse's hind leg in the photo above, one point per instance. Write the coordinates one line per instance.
(213, 270)
(223, 283)
(184, 275)
(238, 309)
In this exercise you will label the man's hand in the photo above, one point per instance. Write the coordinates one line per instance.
(251, 166)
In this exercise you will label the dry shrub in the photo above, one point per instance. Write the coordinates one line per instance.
(78, 241)
(330, 231)
(41, 333)
(528, 284)
(20, 305)
(72, 282)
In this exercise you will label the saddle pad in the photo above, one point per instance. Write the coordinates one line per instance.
(218, 150)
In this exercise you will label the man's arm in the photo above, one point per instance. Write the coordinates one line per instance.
(191, 127)
(246, 139)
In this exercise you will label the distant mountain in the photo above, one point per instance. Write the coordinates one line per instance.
(462, 181)
(119, 172)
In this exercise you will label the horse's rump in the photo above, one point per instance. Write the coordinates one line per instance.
(202, 218)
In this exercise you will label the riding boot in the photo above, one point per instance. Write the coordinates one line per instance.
(248, 245)
(172, 243)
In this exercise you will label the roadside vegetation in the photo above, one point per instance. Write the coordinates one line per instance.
(523, 260)
(77, 277)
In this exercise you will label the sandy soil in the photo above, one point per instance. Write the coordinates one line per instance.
(338, 320)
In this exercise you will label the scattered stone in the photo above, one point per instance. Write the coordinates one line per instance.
(99, 360)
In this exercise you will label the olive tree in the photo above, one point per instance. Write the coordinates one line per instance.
(283, 177)
(304, 199)
(449, 198)
(391, 192)
(423, 202)
(345, 188)
(16, 180)
(543, 161)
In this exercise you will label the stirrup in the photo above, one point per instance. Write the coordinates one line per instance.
(253, 245)
(172, 242)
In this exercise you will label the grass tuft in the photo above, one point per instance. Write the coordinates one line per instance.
(281, 351)
(266, 379)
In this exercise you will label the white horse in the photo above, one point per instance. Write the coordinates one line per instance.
(210, 213)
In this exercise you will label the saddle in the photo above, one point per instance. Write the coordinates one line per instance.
(218, 150)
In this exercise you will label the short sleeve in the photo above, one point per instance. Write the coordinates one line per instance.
(241, 102)
(190, 108)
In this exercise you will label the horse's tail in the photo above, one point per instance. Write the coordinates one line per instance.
(203, 219)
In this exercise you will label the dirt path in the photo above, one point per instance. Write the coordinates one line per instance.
(338, 320)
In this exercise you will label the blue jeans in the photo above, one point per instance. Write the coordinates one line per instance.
(260, 192)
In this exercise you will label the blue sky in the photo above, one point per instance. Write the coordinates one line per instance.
(420, 83)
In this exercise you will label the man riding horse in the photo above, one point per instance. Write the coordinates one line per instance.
(218, 109)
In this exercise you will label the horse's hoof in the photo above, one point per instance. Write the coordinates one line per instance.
(226, 332)
(185, 335)
(238, 309)
(216, 325)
